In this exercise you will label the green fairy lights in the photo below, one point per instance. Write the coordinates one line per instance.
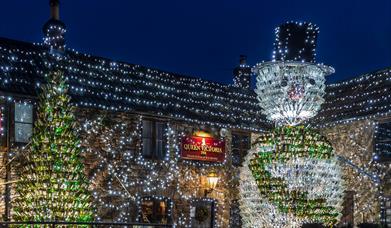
(290, 176)
(288, 169)
(289, 142)
(52, 185)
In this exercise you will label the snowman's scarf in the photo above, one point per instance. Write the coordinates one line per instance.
(320, 178)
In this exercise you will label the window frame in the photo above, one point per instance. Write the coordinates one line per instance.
(151, 138)
(154, 153)
(4, 125)
(387, 210)
(212, 204)
(242, 149)
(377, 142)
(155, 207)
(15, 122)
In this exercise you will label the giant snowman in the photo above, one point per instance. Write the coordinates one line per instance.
(291, 176)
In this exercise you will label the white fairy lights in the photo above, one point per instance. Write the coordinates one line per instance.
(2, 118)
(297, 180)
(291, 177)
(302, 35)
(365, 97)
(122, 177)
(54, 35)
(320, 178)
(114, 86)
(363, 172)
(91, 74)
(290, 88)
(290, 92)
(116, 160)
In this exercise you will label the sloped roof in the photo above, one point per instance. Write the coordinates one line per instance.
(102, 83)
(366, 96)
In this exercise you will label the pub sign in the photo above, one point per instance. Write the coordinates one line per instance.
(203, 149)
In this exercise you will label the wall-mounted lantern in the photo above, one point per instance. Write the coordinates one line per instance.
(211, 182)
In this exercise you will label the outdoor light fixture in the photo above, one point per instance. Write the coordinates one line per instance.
(211, 182)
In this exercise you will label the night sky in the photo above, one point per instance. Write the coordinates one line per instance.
(205, 38)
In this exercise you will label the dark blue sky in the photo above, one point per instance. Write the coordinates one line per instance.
(204, 38)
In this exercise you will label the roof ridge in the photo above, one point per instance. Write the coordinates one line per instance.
(359, 77)
(124, 63)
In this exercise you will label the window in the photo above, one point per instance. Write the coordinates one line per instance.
(388, 211)
(155, 210)
(383, 142)
(235, 219)
(240, 145)
(3, 123)
(153, 139)
(23, 122)
(347, 218)
(202, 214)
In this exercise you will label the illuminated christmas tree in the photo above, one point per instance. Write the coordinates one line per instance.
(52, 185)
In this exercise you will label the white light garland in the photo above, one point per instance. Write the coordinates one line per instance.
(94, 85)
(116, 86)
(321, 178)
(290, 92)
(117, 161)
(123, 185)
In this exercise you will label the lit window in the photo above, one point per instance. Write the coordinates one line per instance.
(23, 122)
(153, 139)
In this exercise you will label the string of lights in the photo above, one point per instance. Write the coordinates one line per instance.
(98, 83)
(121, 177)
(363, 173)
(124, 87)
(290, 177)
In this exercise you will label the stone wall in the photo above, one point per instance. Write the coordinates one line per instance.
(183, 182)
(3, 155)
(353, 142)
(119, 179)
(180, 181)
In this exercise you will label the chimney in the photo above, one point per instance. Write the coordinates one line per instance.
(54, 30)
(54, 9)
(242, 73)
(242, 59)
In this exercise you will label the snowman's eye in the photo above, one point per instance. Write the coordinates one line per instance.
(284, 82)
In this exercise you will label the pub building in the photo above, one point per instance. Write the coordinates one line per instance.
(165, 148)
